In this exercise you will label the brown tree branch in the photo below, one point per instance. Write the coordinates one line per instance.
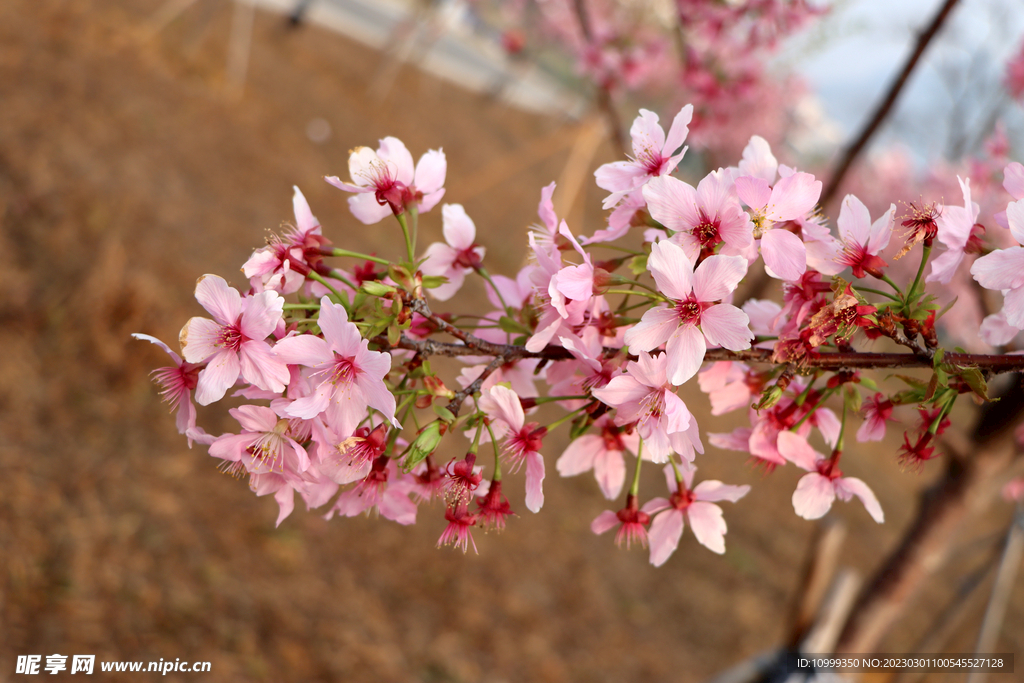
(885, 106)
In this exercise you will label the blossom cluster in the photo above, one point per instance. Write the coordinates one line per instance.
(339, 403)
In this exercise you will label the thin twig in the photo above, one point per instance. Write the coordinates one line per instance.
(882, 111)
(455, 405)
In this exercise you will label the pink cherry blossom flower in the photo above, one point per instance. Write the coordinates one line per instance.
(351, 376)
(877, 411)
(621, 219)
(493, 507)
(457, 534)
(283, 264)
(816, 491)
(863, 240)
(730, 385)
(385, 489)
(693, 319)
(458, 257)
(695, 505)
(644, 395)
(601, 453)
(631, 520)
(346, 459)
(176, 385)
(265, 444)
(1003, 269)
(652, 155)
(1013, 179)
(386, 182)
(521, 439)
(233, 342)
(703, 218)
(955, 225)
(784, 254)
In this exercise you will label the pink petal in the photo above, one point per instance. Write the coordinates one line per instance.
(793, 197)
(671, 202)
(502, 403)
(603, 522)
(363, 168)
(758, 161)
(854, 221)
(429, 201)
(620, 391)
(685, 352)
(261, 314)
(717, 277)
(995, 331)
(342, 335)
(708, 525)
(944, 267)
(676, 415)
(366, 209)
(232, 446)
(828, 424)
(664, 535)
(795, 449)
(223, 302)
(653, 330)
(1001, 269)
(754, 192)
(199, 339)
(546, 208)
(785, 256)
(305, 221)
(579, 456)
(378, 397)
(851, 486)
(672, 271)
(1013, 180)
(261, 367)
(153, 340)
(285, 497)
(678, 131)
(712, 491)
(303, 349)
(431, 171)
(1013, 307)
(618, 177)
(534, 481)
(348, 187)
(727, 326)
(813, 496)
(219, 375)
(1015, 220)
(648, 135)
(610, 472)
(459, 230)
(394, 151)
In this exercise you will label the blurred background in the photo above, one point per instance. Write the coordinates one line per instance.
(144, 143)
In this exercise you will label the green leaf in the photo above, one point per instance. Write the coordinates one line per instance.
(433, 281)
(394, 334)
(425, 444)
(511, 326)
(638, 265)
(945, 309)
(976, 381)
(937, 358)
(444, 413)
(375, 288)
(579, 426)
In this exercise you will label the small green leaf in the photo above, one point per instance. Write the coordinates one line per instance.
(511, 326)
(638, 265)
(425, 444)
(433, 281)
(852, 398)
(394, 334)
(945, 309)
(976, 381)
(937, 359)
(375, 288)
(444, 413)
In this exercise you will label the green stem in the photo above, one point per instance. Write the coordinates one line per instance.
(912, 296)
(313, 275)
(497, 455)
(302, 307)
(549, 399)
(408, 238)
(619, 280)
(562, 420)
(888, 280)
(806, 392)
(842, 432)
(878, 292)
(338, 275)
(487, 276)
(414, 213)
(657, 297)
(800, 423)
(634, 488)
(356, 254)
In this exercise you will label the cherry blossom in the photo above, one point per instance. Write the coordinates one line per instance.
(693, 319)
(602, 453)
(863, 240)
(283, 264)
(695, 505)
(816, 491)
(784, 254)
(177, 383)
(652, 155)
(233, 342)
(1003, 269)
(522, 440)
(955, 225)
(351, 377)
(385, 181)
(456, 258)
